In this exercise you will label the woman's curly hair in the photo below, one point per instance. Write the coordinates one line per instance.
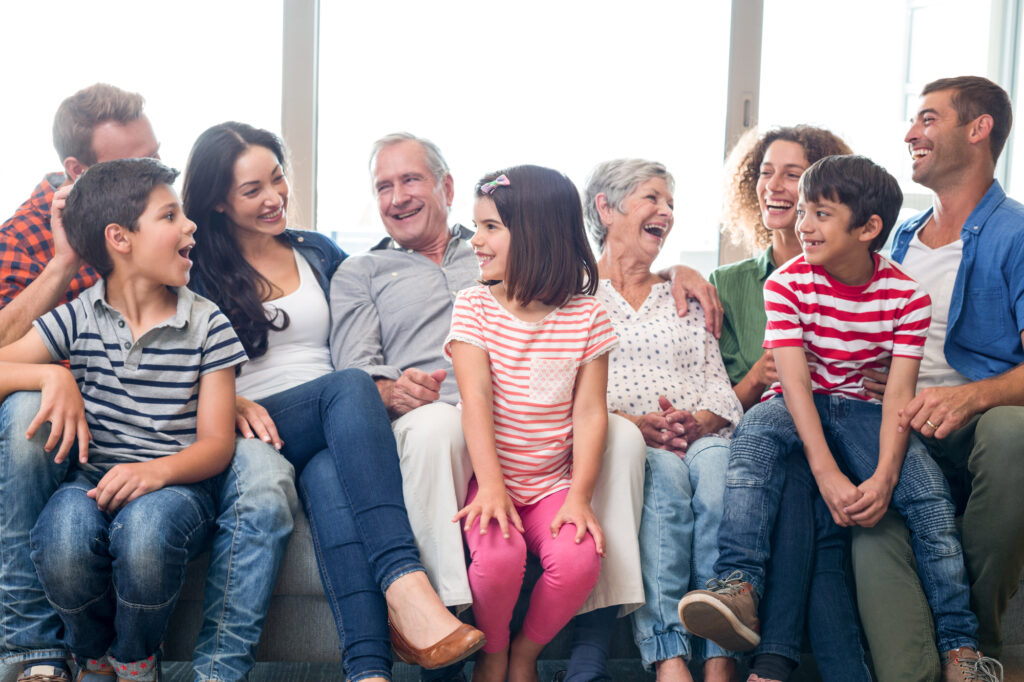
(741, 213)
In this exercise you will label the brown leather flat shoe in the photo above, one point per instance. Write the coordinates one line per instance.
(464, 641)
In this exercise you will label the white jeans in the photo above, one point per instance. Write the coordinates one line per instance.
(618, 503)
(435, 475)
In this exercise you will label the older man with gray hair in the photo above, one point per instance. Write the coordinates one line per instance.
(391, 310)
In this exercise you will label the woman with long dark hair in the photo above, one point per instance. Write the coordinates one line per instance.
(272, 283)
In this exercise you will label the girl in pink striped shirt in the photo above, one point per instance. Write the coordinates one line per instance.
(530, 351)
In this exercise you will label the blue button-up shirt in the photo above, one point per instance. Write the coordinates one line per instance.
(986, 313)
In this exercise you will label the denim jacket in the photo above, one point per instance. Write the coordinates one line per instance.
(986, 313)
(323, 254)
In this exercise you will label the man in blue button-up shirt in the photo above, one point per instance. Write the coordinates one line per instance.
(968, 253)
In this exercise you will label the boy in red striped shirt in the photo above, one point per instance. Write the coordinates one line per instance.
(835, 310)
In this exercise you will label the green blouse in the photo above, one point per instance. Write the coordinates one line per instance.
(741, 289)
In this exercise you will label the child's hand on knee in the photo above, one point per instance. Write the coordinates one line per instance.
(487, 505)
(577, 510)
(124, 483)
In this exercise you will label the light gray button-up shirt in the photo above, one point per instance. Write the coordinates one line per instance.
(391, 308)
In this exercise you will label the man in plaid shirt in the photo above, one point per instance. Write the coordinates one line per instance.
(38, 271)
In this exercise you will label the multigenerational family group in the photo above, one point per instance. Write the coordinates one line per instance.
(177, 375)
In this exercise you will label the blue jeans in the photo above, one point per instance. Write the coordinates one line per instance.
(754, 486)
(678, 544)
(806, 583)
(114, 577)
(254, 519)
(255, 504)
(338, 435)
(29, 627)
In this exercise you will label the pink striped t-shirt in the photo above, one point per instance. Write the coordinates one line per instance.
(533, 376)
(842, 328)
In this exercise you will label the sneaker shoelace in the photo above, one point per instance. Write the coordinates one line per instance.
(982, 668)
(730, 584)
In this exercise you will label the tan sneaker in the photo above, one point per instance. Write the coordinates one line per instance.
(44, 673)
(725, 613)
(967, 664)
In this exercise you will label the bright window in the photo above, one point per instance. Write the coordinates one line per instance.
(196, 62)
(857, 69)
(563, 84)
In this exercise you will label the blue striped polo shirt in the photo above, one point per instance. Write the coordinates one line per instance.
(141, 395)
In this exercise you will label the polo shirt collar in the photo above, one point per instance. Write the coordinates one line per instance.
(456, 231)
(765, 265)
(96, 296)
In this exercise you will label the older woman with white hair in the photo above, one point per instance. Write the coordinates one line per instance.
(667, 377)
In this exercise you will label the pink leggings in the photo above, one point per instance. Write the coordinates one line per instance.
(498, 565)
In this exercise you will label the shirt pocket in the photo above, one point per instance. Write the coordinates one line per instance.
(985, 318)
(552, 380)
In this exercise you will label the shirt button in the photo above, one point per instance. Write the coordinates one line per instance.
(127, 345)
(120, 323)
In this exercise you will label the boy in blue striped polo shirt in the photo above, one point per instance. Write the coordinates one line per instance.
(150, 400)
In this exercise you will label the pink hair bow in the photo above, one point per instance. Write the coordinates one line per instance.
(488, 187)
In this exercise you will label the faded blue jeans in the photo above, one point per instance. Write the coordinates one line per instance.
(678, 544)
(29, 627)
(255, 504)
(338, 435)
(754, 485)
(114, 578)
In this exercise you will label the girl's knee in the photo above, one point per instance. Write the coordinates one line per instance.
(495, 558)
(565, 562)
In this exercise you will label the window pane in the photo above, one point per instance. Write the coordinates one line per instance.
(869, 63)
(563, 84)
(196, 62)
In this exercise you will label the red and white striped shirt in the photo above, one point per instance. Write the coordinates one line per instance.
(533, 377)
(842, 328)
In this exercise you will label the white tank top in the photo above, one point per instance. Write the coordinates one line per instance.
(298, 353)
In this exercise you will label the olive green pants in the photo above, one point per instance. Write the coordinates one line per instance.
(984, 464)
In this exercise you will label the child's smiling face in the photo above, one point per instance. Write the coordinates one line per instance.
(491, 241)
(164, 238)
(831, 241)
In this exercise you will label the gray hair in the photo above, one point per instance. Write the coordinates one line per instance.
(617, 179)
(435, 162)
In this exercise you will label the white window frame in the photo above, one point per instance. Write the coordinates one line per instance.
(299, 85)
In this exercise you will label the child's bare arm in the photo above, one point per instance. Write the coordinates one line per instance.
(892, 444)
(589, 431)
(207, 457)
(27, 366)
(473, 374)
(836, 489)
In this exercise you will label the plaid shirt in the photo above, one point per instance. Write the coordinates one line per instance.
(26, 245)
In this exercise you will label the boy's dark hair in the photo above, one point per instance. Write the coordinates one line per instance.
(974, 96)
(110, 192)
(549, 257)
(861, 185)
